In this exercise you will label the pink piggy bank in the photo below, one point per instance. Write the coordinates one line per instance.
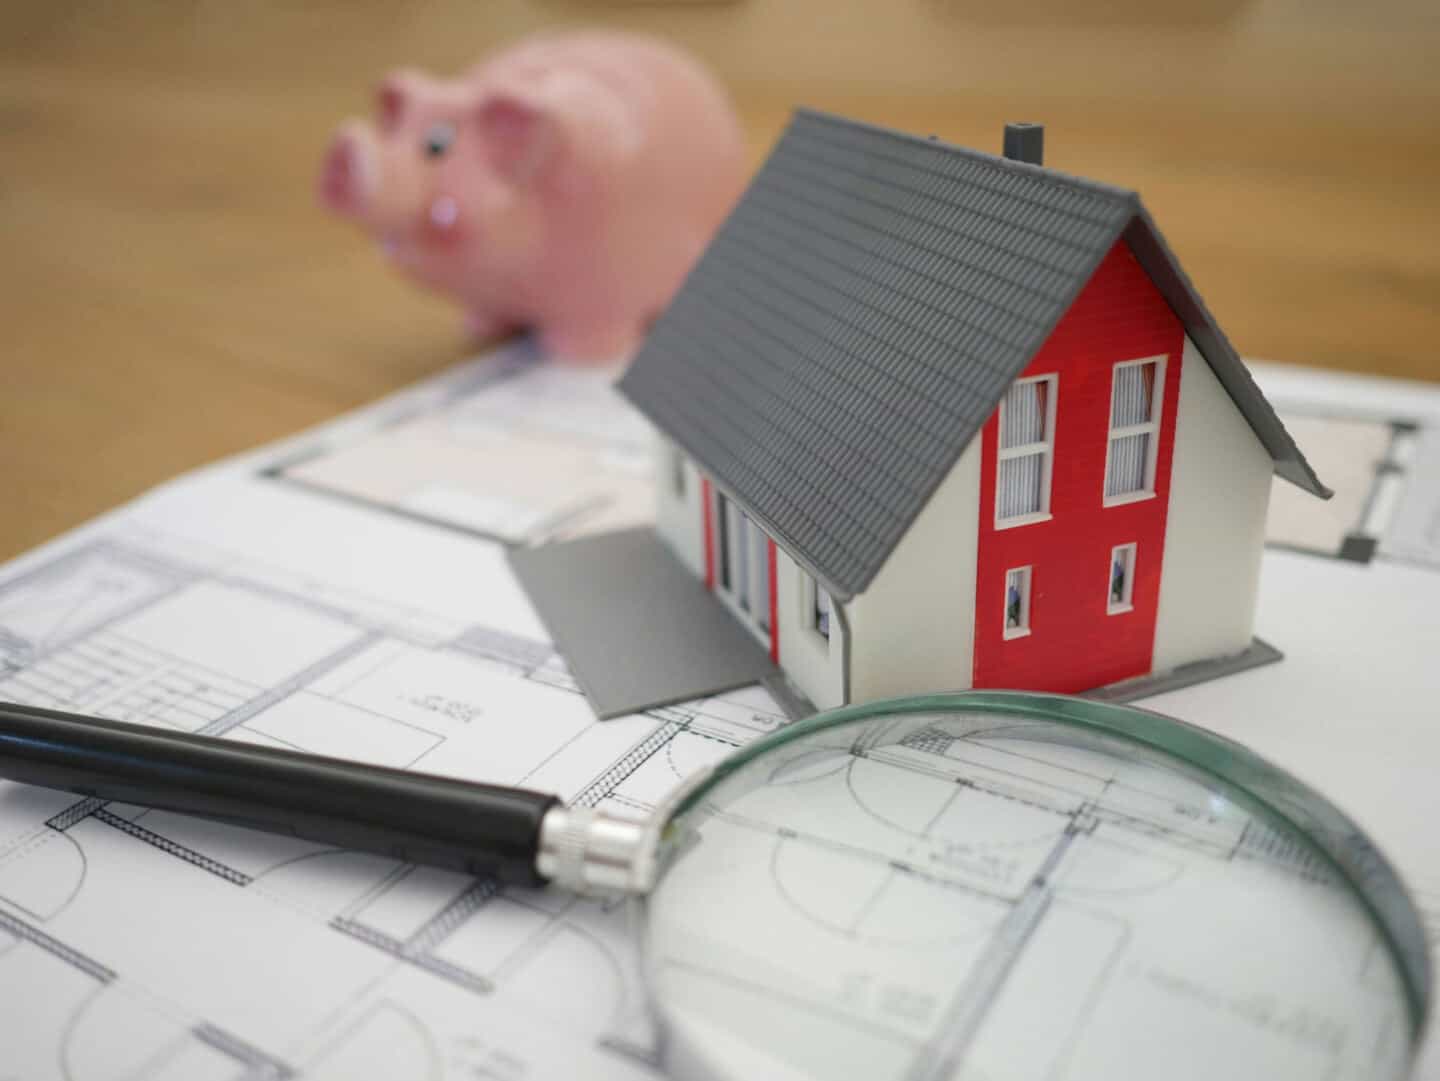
(567, 184)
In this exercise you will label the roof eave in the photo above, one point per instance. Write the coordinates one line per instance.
(1149, 247)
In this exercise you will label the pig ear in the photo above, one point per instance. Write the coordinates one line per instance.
(394, 97)
(519, 137)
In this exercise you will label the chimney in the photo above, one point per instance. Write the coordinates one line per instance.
(1025, 142)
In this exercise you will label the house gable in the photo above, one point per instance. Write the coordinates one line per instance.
(1148, 244)
(1073, 640)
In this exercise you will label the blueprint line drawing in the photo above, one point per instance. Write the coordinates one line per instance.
(587, 456)
(1383, 467)
(155, 630)
(347, 593)
(1066, 888)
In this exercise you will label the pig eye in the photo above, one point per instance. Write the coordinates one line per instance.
(438, 139)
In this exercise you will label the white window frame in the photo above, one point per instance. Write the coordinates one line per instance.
(1152, 427)
(1045, 447)
(737, 532)
(723, 544)
(1027, 579)
(679, 482)
(1127, 601)
(810, 608)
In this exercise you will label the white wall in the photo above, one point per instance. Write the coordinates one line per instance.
(679, 519)
(815, 665)
(913, 630)
(1215, 529)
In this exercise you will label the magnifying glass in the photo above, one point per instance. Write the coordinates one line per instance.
(977, 886)
(992, 885)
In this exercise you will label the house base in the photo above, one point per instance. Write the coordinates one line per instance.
(1257, 653)
(639, 631)
(788, 697)
(636, 628)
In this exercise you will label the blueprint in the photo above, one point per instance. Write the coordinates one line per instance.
(1010, 899)
(346, 592)
(141, 944)
(1377, 444)
(586, 456)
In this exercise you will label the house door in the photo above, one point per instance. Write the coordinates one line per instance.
(744, 576)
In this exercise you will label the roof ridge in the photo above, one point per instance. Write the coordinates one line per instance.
(997, 161)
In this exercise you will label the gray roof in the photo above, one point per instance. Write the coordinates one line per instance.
(859, 315)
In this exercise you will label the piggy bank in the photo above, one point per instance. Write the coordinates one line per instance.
(565, 184)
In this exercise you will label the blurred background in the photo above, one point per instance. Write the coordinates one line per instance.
(172, 292)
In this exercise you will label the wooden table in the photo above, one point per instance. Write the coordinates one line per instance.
(171, 293)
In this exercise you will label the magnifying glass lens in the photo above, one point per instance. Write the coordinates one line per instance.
(970, 894)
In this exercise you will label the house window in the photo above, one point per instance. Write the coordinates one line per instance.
(817, 607)
(1122, 579)
(760, 558)
(1135, 395)
(726, 536)
(677, 472)
(1027, 441)
(744, 563)
(1017, 602)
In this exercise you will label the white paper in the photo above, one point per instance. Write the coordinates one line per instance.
(257, 600)
(136, 943)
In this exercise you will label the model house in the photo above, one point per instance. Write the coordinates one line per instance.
(935, 419)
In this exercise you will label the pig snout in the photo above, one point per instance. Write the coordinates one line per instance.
(396, 200)
(348, 172)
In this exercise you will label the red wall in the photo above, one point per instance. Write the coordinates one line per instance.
(1073, 643)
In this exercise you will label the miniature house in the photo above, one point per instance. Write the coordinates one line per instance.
(935, 419)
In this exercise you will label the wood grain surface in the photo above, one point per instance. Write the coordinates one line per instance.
(170, 292)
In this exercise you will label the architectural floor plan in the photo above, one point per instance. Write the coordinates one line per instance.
(141, 944)
(982, 901)
(347, 593)
(1379, 451)
(586, 455)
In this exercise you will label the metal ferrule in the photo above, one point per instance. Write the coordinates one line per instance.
(592, 852)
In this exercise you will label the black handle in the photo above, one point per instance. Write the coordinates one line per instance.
(480, 829)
